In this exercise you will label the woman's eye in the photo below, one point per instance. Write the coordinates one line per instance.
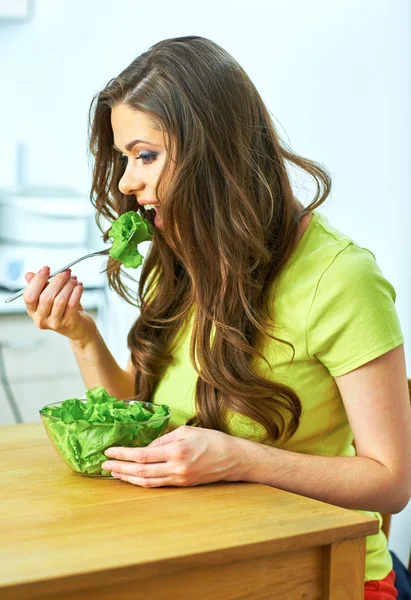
(146, 157)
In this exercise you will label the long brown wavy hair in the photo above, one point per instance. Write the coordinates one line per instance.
(230, 226)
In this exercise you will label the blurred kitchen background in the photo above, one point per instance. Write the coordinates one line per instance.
(335, 76)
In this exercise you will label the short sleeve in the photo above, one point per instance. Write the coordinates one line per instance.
(353, 318)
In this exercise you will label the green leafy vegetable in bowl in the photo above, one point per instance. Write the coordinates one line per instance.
(81, 430)
(124, 247)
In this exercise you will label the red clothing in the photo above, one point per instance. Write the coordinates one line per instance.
(381, 590)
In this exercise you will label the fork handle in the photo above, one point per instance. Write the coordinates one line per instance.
(75, 262)
(21, 292)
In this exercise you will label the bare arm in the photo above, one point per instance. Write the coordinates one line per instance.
(379, 478)
(98, 367)
(357, 483)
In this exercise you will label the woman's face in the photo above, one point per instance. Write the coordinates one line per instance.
(142, 148)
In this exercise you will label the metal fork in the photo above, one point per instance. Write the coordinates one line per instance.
(21, 292)
(101, 252)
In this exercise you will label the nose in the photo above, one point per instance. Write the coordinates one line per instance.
(130, 183)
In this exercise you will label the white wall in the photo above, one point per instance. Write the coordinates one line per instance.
(335, 75)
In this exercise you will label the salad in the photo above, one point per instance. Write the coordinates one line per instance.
(82, 430)
(124, 247)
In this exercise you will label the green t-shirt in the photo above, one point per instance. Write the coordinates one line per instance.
(334, 305)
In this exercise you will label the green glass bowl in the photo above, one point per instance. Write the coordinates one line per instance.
(82, 445)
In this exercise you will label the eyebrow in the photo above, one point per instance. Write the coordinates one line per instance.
(131, 145)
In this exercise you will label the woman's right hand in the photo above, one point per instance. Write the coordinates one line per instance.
(55, 304)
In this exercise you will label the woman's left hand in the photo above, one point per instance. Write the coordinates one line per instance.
(187, 456)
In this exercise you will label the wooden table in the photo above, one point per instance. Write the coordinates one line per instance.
(65, 536)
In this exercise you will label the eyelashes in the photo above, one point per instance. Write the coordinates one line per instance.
(146, 157)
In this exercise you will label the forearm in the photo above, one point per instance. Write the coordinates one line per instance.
(350, 482)
(98, 367)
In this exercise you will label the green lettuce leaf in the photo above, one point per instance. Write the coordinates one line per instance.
(82, 431)
(98, 395)
(126, 250)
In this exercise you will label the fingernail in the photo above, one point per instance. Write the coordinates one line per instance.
(44, 271)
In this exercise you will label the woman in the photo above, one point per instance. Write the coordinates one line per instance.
(272, 332)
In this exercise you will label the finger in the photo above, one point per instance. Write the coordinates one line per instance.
(60, 301)
(29, 276)
(137, 469)
(47, 296)
(36, 285)
(141, 482)
(140, 455)
(74, 304)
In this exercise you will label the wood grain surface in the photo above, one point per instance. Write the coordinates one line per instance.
(64, 535)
